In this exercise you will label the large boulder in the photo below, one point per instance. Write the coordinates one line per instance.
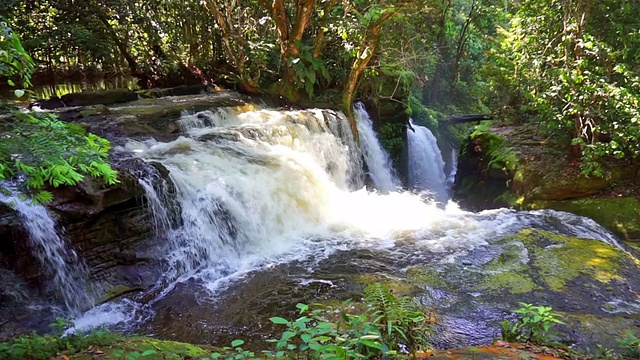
(513, 167)
(105, 97)
(147, 118)
(592, 283)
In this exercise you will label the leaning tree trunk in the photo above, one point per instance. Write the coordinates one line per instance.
(364, 56)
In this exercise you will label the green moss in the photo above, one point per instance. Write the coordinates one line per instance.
(165, 350)
(513, 282)
(559, 259)
(570, 257)
(508, 271)
(398, 287)
(428, 277)
(536, 259)
(620, 215)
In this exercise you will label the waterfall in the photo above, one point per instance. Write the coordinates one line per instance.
(249, 189)
(248, 184)
(376, 158)
(426, 167)
(60, 264)
(451, 179)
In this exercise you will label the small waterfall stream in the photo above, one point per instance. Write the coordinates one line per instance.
(60, 264)
(377, 160)
(257, 191)
(426, 167)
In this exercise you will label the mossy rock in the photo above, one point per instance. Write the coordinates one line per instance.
(153, 349)
(619, 215)
(535, 259)
(512, 166)
(106, 97)
(573, 275)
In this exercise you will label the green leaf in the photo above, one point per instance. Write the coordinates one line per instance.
(279, 320)
(148, 352)
(18, 93)
(236, 343)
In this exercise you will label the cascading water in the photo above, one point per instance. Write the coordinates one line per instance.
(61, 265)
(248, 184)
(377, 160)
(426, 167)
(252, 189)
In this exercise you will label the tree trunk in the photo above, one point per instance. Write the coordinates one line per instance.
(364, 56)
(230, 37)
(289, 34)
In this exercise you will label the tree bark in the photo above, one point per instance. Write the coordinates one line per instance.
(289, 34)
(363, 57)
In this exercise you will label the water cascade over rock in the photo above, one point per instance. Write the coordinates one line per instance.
(377, 160)
(65, 273)
(256, 210)
(426, 167)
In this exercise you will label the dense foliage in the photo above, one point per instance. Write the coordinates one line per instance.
(569, 65)
(38, 150)
(573, 66)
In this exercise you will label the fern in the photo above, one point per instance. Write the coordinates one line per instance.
(400, 319)
(37, 150)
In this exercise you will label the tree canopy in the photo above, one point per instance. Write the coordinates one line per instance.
(570, 66)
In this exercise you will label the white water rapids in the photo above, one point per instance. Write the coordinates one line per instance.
(377, 160)
(256, 187)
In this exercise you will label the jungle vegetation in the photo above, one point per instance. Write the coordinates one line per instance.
(568, 66)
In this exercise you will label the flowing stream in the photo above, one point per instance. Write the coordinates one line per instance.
(426, 167)
(377, 160)
(258, 191)
(66, 273)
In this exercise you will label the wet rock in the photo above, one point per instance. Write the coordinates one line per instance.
(147, 118)
(620, 215)
(106, 97)
(49, 104)
(578, 277)
(109, 227)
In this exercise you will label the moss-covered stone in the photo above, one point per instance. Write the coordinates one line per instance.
(620, 215)
(552, 262)
(512, 166)
(156, 350)
(399, 287)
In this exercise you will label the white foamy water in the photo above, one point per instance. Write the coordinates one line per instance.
(61, 266)
(426, 167)
(377, 160)
(256, 188)
(261, 187)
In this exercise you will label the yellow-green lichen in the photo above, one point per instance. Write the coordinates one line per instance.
(399, 287)
(559, 259)
(570, 257)
(620, 215)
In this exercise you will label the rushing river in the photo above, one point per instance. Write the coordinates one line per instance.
(265, 208)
